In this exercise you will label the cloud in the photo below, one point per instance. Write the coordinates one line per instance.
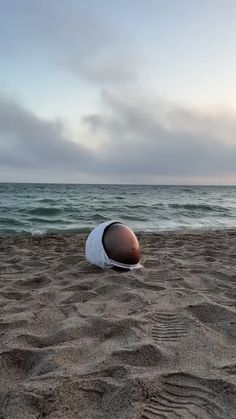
(28, 141)
(105, 70)
(145, 135)
(70, 36)
(134, 138)
(58, 27)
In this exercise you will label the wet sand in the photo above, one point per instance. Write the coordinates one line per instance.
(79, 342)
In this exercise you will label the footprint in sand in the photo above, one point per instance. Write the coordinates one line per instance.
(229, 369)
(186, 396)
(167, 327)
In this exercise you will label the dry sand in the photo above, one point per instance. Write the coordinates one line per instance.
(79, 342)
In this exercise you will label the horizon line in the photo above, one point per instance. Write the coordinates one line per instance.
(118, 184)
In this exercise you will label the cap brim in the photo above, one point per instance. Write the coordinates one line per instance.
(126, 266)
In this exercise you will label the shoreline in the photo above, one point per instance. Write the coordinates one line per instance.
(185, 230)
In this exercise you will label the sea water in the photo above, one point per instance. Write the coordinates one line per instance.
(63, 208)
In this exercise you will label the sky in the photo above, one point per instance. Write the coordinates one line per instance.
(107, 91)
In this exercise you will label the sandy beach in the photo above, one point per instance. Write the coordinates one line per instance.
(79, 342)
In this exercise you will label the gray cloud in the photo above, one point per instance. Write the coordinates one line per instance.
(58, 27)
(149, 136)
(103, 70)
(69, 36)
(137, 138)
(27, 140)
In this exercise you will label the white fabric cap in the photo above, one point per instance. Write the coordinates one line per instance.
(95, 252)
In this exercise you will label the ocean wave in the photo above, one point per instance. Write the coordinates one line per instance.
(45, 211)
(10, 221)
(143, 207)
(73, 230)
(98, 217)
(107, 209)
(44, 231)
(201, 207)
(14, 232)
(47, 200)
(48, 220)
(134, 217)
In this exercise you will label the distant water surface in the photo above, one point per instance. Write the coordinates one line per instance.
(54, 208)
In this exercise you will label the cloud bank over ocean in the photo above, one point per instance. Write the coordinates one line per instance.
(137, 136)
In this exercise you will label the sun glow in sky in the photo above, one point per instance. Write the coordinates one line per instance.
(107, 91)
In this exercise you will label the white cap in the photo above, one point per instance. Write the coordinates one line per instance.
(95, 252)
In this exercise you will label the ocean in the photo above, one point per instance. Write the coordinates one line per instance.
(62, 208)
